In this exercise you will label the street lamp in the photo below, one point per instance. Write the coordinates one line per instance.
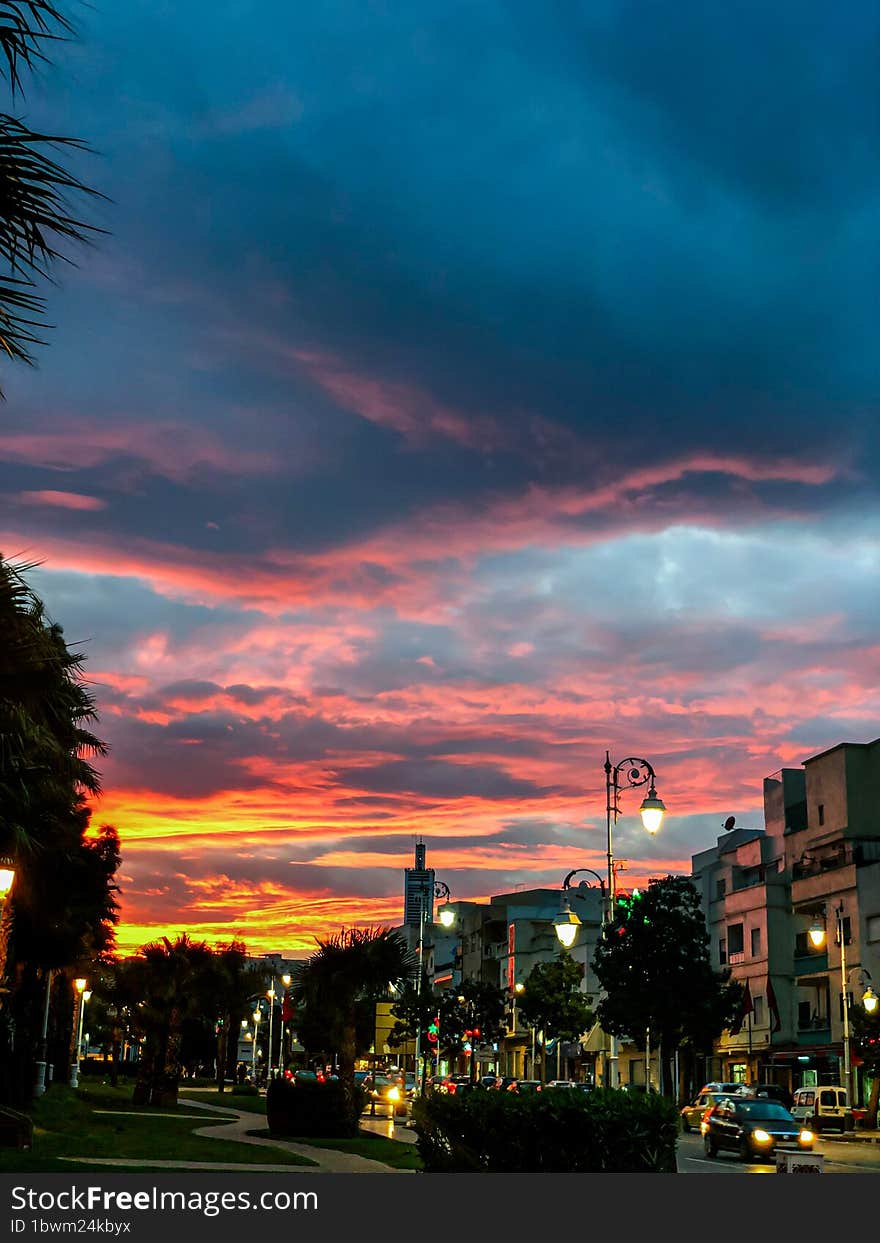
(566, 922)
(79, 985)
(7, 876)
(634, 772)
(285, 980)
(257, 1016)
(441, 890)
(271, 995)
(818, 935)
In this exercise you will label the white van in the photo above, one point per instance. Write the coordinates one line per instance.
(823, 1108)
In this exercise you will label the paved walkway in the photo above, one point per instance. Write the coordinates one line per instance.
(328, 1159)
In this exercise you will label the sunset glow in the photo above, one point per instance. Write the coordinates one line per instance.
(419, 456)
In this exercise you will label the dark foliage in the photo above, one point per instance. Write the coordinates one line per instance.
(316, 1110)
(554, 1131)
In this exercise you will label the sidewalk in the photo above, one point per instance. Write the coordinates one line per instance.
(327, 1160)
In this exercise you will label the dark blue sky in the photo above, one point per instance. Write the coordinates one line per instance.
(459, 390)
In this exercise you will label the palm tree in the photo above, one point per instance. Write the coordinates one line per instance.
(232, 984)
(172, 980)
(357, 964)
(35, 216)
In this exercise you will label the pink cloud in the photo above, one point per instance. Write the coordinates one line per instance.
(62, 500)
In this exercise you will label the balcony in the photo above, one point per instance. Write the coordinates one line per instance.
(816, 1030)
(811, 964)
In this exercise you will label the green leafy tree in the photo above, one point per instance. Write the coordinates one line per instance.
(653, 964)
(414, 1012)
(37, 221)
(475, 1006)
(553, 1003)
(866, 1045)
(357, 965)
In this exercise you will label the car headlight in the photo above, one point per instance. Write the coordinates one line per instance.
(806, 1137)
(704, 1126)
(394, 1094)
(761, 1137)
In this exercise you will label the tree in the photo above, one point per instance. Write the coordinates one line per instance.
(652, 962)
(866, 1046)
(62, 911)
(553, 1003)
(354, 966)
(473, 1014)
(231, 984)
(414, 1012)
(172, 981)
(36, 219)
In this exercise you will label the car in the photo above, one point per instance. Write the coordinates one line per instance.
(456, 1083)
(563, 1083)
(525, 1085)
(752, 1128)
(390, 1091)
(729, 1089)
(771, 1092)
(823, 1108)
(692, 1115)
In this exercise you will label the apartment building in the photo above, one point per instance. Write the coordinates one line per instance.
(816, 860)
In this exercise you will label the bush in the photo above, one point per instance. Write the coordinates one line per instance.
(315, 1110)
(554, 1131)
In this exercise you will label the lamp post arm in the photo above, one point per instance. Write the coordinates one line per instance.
(566, 884)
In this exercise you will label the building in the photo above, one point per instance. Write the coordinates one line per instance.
(418, 891)
(817, 859)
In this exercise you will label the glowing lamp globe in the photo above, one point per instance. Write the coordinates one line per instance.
(652, 811)
(447, 916)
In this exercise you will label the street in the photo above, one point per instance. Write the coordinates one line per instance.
(840, 1158)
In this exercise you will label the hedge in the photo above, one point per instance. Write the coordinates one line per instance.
(319, 1110)
(554, 1131)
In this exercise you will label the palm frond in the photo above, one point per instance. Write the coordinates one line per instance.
(24, 28)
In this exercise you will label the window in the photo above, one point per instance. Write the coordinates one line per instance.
(847, 930)
(720, 889)
(735, 939)
(756, 942)
(803, 946)
(872, 928)
(821, 813)
(722, 951)
(759, 1011)
(803, 1015)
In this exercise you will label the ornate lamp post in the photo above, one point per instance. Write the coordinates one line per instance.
(629, 773)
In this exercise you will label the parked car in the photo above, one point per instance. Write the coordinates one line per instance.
(692, 1115)
(729, 1089)
(823, 1109)
(752, 1128)
(525, 1085)
(563, 1083)
(456, 1083)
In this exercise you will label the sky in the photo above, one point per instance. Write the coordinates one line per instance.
(458, 391)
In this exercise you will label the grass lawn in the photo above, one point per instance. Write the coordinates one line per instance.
(393, 1152)
(67, 1124)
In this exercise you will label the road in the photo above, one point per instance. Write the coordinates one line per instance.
(840, 1158)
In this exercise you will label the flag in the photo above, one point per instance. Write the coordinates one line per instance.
(773, 1007)
(745, 1009)
(287, 1009)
